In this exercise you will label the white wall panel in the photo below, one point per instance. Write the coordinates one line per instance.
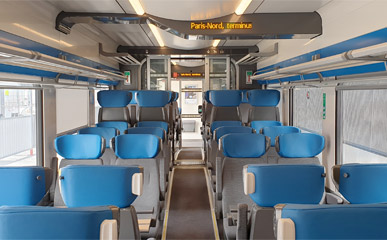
(71, 109)
(341, 20)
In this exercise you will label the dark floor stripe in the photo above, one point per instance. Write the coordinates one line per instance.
(190, 154)
(189, 211)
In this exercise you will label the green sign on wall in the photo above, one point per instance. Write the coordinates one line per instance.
(324, 106)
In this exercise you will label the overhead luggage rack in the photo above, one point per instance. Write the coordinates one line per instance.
(31, 59)
(255, 57)
(352, 58)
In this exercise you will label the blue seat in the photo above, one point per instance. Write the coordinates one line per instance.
(299, 147)
(362, 183)
(143, 150)
(153, 105)
(363, 221)
(239, 149)
(22, 185)
(272, 184)
(53, 223)
(114, 105)
(159, 124)
(81, 149)
(217, 124)
(263, 105)
(258, 125)
(164, 160)
(108, 134)
(225, 105)
(85, 186)
(120, 126)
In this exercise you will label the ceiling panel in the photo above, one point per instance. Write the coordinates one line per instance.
(241, 43)
(127, 34)
(173, 41)
(106, 6)
(253, 6)
(189, 9)
(281, 6)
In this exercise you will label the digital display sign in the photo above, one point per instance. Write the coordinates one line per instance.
(220, 25)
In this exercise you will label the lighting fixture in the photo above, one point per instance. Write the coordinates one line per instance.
(137, 7)
(242, 7)
(42, 35)
(215, 42)
(157, 35)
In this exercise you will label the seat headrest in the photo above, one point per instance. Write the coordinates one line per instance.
(271, 184)
(300, 145)
(83, 186)
(83, 146)
(243, 145)
(221, 131)
(35, 222)
(244, 96)
(160, 124)
(258, 125)
(207, 96)
(348, 221)
(170, 96)
(364, 183)
(273, 132)
(159, 132)
(216, 124)
(106, 132)
(21, 185)
(263, 98)
(176, 96)
(120, 126)
(152, 98)
(137, 146)
(114, 98)
(133, 100)
(226, 98)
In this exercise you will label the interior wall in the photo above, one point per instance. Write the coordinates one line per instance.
(242, 77)
(341, 20)
(35, 20)
(135, 76)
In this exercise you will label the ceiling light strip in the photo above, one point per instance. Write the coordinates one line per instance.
(137, 7)
(157, 35)
(242, 7)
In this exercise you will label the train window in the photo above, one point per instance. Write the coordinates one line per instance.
(363, 124)
(307, 109)
(218, 73)
(18, 124)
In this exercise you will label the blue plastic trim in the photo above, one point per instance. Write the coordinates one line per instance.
(221, 131)
(348, 221)
(160, 124)
(217, 124)
(276, 184)
(21, 185)
(158, 131)
(106, 132)
(133, 100)
(273, 132)
(120, 126)
(226, 98)
(243, 145)
(84, 186)
(137, 146)
(83, 146)
(300, 145)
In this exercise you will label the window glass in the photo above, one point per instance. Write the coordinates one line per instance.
(218, 73)
(364, 128)
(307, 109)
(18, 127)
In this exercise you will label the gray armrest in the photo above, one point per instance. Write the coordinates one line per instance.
(242, 222)
(332, 198)
(219, 185)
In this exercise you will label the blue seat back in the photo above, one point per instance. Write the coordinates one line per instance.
(276, 184)
(133, 100)
(160, 124)
(106, 132)
(175, 96)
(52, 223)
(21, 185)
(83, 146)
(275, 131)
(364, 183)
(217, 124)
(221, 131)
(258, 125)
(338, 221)
(120, 126)
(137, 146)
(159, 132)
(225, 98)
(263, 98)
(300, 145)
(114, 98)
(243, 145)
(83, 186)
(152, 98)
(207, 96)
